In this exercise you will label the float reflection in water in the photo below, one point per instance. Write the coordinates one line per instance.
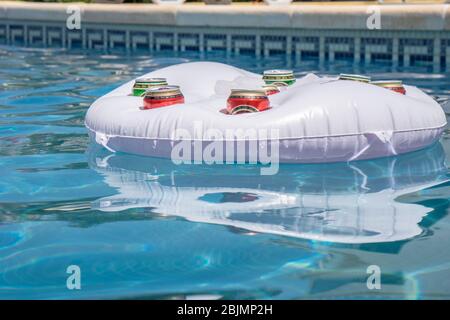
(340, 202)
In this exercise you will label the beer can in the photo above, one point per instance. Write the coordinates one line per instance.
(394, 85)
(279, 77)
(354, 77)
(247, 101)
(162, 97)
(270, 89)
(143, 84)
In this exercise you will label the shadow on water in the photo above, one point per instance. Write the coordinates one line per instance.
(352, 203)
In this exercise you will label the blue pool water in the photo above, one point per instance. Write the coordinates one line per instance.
(145, 228)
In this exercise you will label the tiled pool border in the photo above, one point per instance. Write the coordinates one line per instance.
(149, 31)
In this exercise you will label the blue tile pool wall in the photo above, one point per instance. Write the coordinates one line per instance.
(397, 47)
(376, 48)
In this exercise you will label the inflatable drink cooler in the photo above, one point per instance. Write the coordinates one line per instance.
(316, 119)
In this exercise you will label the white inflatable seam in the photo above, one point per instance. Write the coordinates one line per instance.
(377, 133)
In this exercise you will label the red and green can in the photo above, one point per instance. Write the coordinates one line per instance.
(247, 101)
(162, 97)
(270, 89)
(394, 85)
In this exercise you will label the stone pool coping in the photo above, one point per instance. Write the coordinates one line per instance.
(335, 16)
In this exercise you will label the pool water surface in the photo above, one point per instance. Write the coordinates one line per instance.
(146, 228)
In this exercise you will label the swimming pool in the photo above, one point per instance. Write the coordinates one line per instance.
(145, 228)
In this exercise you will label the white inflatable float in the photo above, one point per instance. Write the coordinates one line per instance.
(314, 120)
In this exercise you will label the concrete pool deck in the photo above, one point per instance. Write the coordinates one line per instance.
(326, 31)
(332, 15)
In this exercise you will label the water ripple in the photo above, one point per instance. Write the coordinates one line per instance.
(235, 234)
